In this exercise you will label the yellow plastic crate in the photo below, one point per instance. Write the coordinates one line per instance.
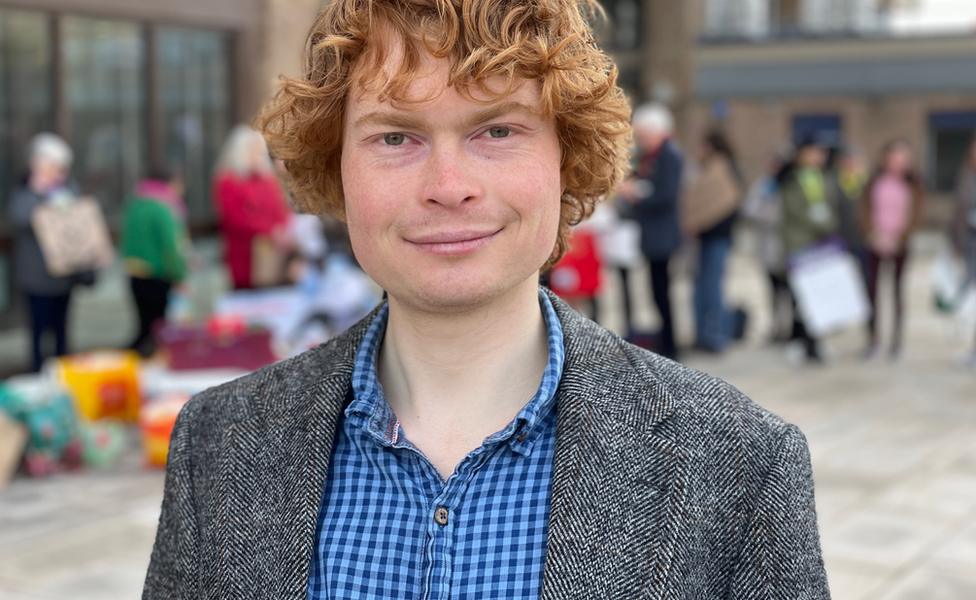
(105, 384)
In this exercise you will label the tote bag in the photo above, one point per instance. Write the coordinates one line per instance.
(829, 289)
(73, 238)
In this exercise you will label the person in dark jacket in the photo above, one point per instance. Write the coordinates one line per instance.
(47, 296)
(654, 193)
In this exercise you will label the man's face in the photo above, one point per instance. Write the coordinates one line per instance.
(451, 203)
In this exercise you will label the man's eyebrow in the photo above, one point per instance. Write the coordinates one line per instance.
(498, 110)
(397, 120)
(404, 120)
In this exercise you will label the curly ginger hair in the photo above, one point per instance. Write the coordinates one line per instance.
(547, 41)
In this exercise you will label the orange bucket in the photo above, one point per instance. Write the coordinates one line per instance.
(156, 424)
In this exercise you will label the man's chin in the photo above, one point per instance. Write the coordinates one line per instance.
(452, 296)
(440, 298)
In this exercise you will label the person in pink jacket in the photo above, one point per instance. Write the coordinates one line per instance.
(891, 209)
(249, 201)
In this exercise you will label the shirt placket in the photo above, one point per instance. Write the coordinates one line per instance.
(442, 518)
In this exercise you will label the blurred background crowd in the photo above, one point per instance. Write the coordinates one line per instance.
(801, 210)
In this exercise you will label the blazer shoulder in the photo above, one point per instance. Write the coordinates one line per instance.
(705, 402)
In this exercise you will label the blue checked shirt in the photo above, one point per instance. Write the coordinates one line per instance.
(391, 527)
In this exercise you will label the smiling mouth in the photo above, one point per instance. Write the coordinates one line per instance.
(453, 243)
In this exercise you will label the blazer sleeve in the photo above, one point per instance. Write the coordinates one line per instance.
(174, 564)
(780, 557)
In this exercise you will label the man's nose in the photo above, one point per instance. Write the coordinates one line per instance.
(450, 178)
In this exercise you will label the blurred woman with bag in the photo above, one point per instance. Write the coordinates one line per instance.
(890, 210)
(708, 213)
(48, 295)
(252, 214)
(155, 246)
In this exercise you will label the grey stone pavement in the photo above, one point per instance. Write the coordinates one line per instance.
(893, 448)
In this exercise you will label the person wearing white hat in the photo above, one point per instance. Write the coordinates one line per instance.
(48, 296)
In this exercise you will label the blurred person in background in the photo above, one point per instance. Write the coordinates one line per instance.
(48, 296)
(619, 244)
(810, 200)
(891, 210)
(251, 207)
(654, 194)
(852, 177)
(155, 246)
(963, 227)
(709, 209)
(763, 207)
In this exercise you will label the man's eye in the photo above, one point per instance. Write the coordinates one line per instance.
(394, 139)
(499, 132)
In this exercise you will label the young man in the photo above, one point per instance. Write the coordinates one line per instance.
(473, 437)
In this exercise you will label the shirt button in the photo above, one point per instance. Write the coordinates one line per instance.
(440, 516)
(523, 437)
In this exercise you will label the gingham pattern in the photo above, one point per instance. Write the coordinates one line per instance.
(377, 536)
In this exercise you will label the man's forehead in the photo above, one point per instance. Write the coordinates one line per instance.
(431, 88)
(383, 77)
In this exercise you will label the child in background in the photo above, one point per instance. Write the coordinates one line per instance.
(891, 210)
(154, 247)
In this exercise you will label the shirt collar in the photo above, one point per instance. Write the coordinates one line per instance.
(370, 411)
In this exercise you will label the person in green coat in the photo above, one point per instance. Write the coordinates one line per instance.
(810, 215)
(154, 247)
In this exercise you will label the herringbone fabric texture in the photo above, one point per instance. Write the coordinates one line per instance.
(667, 484)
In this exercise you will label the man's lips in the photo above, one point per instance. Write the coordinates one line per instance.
(453, 243)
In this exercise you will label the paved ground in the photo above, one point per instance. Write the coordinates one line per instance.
(893, 447)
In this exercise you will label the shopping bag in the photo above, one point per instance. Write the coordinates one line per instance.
(73, 237)
(950, 282)
(829, 289)
(267, 263)
(577, 274)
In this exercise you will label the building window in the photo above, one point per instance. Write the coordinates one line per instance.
(623, 29)
(26, 91)
(824, 129)
(194, 76)
(26, 107)
(785, 16)
(950, 135)
(106, 102)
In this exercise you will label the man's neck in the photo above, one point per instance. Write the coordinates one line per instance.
(454, 379)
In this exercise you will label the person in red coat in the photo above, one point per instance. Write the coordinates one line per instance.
(249, 202)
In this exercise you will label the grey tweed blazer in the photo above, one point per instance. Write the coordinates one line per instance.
(668, 483)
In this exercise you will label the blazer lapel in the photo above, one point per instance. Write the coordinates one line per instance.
(616, 486)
